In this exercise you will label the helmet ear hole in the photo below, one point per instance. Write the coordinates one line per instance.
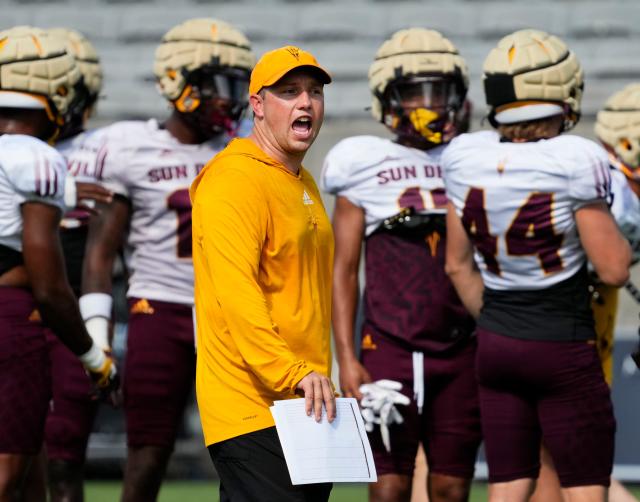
(188, 101)
(392, 103)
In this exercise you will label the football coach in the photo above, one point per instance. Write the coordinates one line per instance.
(263, 257)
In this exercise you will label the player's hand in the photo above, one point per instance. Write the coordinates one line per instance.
(101, 368)
(106, 380)
(93, 191)
(352, 376)
(87, 194)
(318, 390)
(379, 407)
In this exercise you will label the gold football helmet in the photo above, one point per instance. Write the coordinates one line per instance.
(531, 75)
(86, 57)
(36, 71)
(419, 83)
(89, 64)
(618, 128)
(202, 60)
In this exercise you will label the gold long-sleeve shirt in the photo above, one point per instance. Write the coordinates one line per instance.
(263, 259)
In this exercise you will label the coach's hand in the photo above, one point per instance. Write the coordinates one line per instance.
(318, 389)
(352, 376)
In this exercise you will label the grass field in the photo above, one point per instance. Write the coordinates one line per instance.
(188, 491)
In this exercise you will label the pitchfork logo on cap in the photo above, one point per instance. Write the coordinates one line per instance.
(295, 52)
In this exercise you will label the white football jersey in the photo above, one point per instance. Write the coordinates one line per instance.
(626, 209)
(82, 153)
(30, 170)
(153, 170)
(383, 177)
(517, 202)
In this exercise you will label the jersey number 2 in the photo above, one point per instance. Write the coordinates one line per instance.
(412, 197)
(179, 202)
(531, 232)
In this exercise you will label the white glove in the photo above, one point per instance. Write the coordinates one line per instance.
(378, 406)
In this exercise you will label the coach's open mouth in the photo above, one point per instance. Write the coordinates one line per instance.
(302, 126)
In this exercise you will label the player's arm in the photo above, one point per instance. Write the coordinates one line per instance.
(348, 228)
(607, 249)
(461, 266)
(87, 195)
(84, 195)
(45, 267)
(106, 233)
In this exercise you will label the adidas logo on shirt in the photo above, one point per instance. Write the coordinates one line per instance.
(306, 200)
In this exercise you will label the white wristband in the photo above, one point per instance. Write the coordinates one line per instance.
(70, 192)
(94, 358)
(95, 305)
(98, 329)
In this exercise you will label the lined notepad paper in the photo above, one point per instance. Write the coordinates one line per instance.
(324, 452)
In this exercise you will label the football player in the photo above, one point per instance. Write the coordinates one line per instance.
(73, 411)
(618, 129)
(417, 351)
(38, 88)
(202, 68)
(532, 204)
